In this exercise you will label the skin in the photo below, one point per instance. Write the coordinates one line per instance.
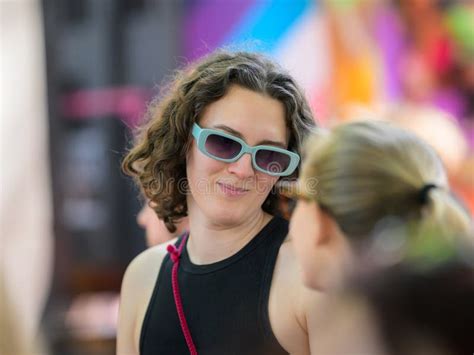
(346, 323)
(213, 207)
(322, 250)
(223, 219)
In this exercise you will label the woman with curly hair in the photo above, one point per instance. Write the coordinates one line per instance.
(228, 130)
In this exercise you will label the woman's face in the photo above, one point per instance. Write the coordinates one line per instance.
(232, 193)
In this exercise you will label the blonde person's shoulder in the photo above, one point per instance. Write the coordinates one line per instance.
(137, 287)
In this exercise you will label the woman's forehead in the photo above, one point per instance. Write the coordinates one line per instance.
(250, 114)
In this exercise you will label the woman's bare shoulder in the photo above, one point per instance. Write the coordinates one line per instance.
(137, 287)
(146, 265)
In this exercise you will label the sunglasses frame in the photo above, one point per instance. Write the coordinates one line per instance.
(201, 134)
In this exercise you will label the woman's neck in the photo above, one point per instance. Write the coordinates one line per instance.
(210, 242)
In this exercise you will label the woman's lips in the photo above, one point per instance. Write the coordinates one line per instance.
(230, 190)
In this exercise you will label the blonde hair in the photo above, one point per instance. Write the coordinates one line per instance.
(365, 171)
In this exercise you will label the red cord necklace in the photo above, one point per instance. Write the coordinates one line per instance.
(175, 254)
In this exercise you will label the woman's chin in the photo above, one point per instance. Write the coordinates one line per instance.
(227, 218)
(222, 214)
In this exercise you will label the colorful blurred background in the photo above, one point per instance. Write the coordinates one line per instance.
(76, 77)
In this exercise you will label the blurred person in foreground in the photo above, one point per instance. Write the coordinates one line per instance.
(228, 130)
(26, 237)
(378, 229)
(13, 337)
(360, 182)
(420, 306)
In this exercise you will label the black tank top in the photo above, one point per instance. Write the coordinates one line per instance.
(225, 303)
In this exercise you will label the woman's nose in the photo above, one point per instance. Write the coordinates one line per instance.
(243, 167)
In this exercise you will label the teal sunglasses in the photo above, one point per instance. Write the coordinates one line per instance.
(227, 148)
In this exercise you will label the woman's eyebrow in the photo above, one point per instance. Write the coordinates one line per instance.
(238, 134)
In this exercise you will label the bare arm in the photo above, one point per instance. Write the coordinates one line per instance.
(127, 314)
(137, 287)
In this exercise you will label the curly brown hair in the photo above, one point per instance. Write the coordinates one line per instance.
(157, 161)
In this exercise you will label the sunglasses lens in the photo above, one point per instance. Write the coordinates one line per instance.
(274, 162)
(222, 147)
